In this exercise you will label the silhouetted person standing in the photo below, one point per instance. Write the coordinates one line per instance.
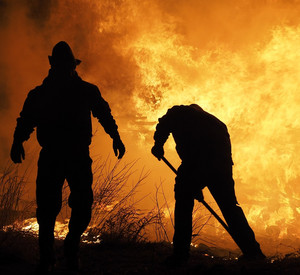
(203, 144)
(60, 109)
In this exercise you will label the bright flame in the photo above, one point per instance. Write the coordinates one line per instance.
(31, 225)
(60, 231)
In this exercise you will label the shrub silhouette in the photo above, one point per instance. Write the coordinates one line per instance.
(116, 215)
(12, 188)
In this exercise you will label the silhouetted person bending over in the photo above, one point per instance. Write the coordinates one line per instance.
(203, 144)
(60, 110)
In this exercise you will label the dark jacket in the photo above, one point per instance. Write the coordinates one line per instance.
(61, 112)
(199, 136)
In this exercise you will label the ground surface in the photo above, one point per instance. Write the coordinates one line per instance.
(18, 254)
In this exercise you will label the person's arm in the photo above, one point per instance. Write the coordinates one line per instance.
(162, 132)
(101, 110)
(25, 126)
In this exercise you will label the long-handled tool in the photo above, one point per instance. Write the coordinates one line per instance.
(202, 201)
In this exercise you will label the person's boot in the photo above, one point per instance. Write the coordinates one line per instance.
(45, 267)
(46, 263)
(71, 248)
(177, 259)
(253, 257)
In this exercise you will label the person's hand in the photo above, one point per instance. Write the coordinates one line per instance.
(17, 152)
(158, 151)
(119, 148)
(199, 196)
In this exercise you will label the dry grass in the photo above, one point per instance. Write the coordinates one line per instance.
(12, 190)
(123, 229)
(116, 214)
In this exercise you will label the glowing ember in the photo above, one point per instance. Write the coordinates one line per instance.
(31, 226)
(61, 230)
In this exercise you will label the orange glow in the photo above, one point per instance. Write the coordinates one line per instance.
(239, 61)
(255, 91)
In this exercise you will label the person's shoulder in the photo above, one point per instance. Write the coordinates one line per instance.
(89, 86)
(35, 95)
(216, 121)
(35, 91)
(177, 110)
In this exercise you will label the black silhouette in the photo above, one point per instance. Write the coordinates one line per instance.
(60, 109)
(203, 144)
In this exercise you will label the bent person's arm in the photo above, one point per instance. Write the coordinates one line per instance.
(162, 132)
(165, 126)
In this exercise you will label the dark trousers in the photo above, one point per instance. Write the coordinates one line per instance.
(221, 186)
(54, 166)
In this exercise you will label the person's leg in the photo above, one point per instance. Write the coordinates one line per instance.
(80, 179)
(222, 190)
(49, 184)
(183, 215)
(183, 225)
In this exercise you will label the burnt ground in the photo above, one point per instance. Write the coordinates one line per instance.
(18, 254)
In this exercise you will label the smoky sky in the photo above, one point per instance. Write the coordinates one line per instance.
(97, 30)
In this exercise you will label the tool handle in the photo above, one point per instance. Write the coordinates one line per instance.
(202, 201)
(216, 216)
(169, 164)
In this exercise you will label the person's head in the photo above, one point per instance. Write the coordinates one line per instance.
(62, 58)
